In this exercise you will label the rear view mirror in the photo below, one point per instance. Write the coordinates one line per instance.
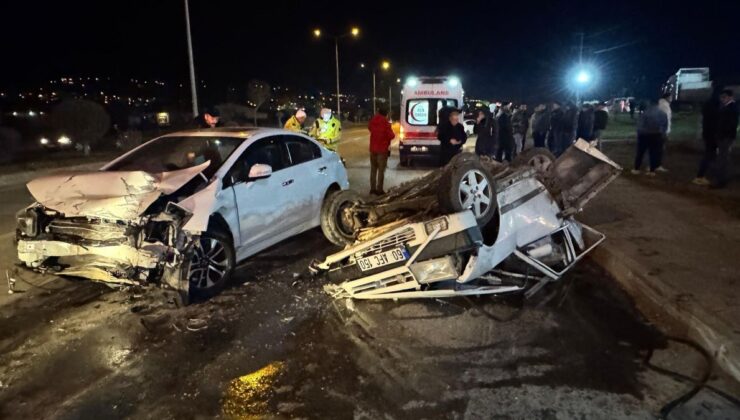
(259, 171)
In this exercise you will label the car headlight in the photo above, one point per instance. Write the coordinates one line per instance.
(27, 222)
(440, 223)
(44, 141)
(432, 271)
(64, 140)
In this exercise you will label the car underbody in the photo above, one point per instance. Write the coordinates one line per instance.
(473, 227)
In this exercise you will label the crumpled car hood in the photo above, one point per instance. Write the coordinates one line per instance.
(116, 195)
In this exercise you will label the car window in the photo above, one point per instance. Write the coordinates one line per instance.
(301, 150)
(178, 152)
(269, 151)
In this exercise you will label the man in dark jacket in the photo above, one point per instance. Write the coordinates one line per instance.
(505, 149)
(451, 136)
(556, 127)
(709, 115)
(601, 119)
(487, 131)
(652, 126)
(208, 118)
(540, 124)
(381, 135)
(520, 126)
(727, 119)
(585, 123)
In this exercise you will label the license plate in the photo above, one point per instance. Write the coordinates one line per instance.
(382, 259)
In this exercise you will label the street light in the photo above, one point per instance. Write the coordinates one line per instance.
(354, 32)
(385, 65)
(581, 78)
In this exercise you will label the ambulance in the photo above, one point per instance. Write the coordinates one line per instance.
(421, 100)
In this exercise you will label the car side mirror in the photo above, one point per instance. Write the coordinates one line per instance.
(259, 171)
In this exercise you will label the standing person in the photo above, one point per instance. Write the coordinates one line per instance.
(585, 128)
(633, 107)
(327, 130)
(451, 136)
(727, 119)
(519, 127)
(709, 116)
(295, 122)
(381, 135)
(208, 118)
(664, 103)
(487, 130)
(569, 124)
(651, 128)
(601, 119)
(540, 123)
(505, 148)
(556, 127)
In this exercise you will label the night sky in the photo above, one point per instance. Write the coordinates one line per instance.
(516, 49)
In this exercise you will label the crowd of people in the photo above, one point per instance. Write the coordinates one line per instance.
(502, 133)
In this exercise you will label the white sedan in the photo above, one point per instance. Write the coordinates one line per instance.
(181, 209)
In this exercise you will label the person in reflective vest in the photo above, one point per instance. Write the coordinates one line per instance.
(295, 122)
(327, 129)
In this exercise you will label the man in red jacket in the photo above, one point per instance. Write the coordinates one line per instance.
(381, 135)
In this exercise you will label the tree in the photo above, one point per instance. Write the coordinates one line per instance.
(82, 120)
(258, 92)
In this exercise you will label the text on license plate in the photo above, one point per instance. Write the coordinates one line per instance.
(384, 258)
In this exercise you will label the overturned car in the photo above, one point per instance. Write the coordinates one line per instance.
(474, 227)
(179, 210)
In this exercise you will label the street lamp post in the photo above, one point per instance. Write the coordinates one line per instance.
(193, 90)
(385, 65)
(354, 32)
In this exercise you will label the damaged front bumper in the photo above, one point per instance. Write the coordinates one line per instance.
(153, 249)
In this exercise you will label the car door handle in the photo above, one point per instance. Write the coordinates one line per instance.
(288, 182)
(322, 169)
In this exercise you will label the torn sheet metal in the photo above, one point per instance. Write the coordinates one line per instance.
(112, 195)
(201, 206)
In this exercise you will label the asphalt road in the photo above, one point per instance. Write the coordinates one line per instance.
(274, 345)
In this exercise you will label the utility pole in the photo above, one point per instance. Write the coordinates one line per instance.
(336, 55)
(390, 103)
(374, 107)
(580, 66)
(193, 90)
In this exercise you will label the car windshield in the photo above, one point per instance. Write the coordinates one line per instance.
(172, 153)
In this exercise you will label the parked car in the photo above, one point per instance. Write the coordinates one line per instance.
(181, 209)
(473, 227)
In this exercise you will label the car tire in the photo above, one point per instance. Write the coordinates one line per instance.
(467, 185)
(212, 264)
(538, 158)
(334, 227)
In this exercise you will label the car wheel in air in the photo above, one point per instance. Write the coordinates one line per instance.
(467, 185)
(537, 158)
(336, 222)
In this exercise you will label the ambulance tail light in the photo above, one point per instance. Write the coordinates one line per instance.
(401, 134)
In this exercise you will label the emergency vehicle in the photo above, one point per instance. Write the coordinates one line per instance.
(421, 100)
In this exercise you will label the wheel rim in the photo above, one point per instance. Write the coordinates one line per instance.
(209, 264)
(540, 163)
(344, 219)
(475, 193)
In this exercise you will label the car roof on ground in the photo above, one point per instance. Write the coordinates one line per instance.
(240, 132)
